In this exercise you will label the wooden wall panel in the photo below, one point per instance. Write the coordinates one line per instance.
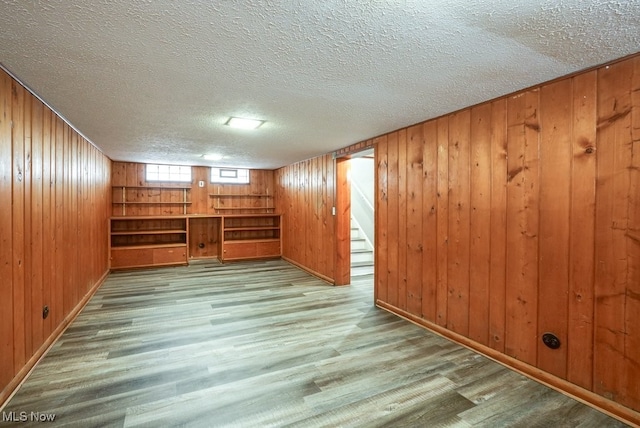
(305, 194)
(632, 308)
(381, 207)
(530, 224)
(393, 222)
(522, 226)
(203, 200)
(498, 245)
(556, 119)
(614, 152)
(18, 200)
(6, 235)
(442, 220)
(459, 216)
(413, 229)
(403, 222)
(53, 234)
(342, 267)
(429, 224)
(480, 222)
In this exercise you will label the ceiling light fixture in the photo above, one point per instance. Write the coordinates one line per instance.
(213, 157)
(239, 122)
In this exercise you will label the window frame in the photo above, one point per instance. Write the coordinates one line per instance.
(223, 176)
(168, 173)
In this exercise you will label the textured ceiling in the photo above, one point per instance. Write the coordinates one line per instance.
(155, 80)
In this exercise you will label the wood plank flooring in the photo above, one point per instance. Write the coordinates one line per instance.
(265, 344)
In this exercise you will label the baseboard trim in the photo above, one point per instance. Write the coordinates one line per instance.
(12, 387)
(311, 271)
(598, 402)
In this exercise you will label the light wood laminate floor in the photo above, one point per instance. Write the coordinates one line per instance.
(264, 344)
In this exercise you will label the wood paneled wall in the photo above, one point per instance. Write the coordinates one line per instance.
(204, 234)
(521, 216)
(305, 195)
(55, 205)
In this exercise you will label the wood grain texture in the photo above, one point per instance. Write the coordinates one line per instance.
(429, 224)
(582, 229)
(614, 140)
(414, 235)
(248, 344)
(381, 215)
(480, 222)
(498, 247)
(6, 235)
(292, 192)
(534, 228)
(53, 232)
(556, 120)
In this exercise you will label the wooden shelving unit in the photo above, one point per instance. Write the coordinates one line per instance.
(148, 241)
(265, 205)
(251, 236)
(145, 241)
(184, 197)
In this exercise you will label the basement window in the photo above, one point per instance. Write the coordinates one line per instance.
(230, 175)
(171, 173)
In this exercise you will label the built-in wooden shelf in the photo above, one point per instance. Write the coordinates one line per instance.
(148, 232)
(243, 208)
(264, 206)
(237, 195)
(184, 195)
(251, 236)
(142, 241)
(148, 241)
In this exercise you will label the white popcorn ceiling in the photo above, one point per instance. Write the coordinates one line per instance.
(154, 81)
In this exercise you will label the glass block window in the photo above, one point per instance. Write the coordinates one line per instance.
(174, 173)
(230, 175)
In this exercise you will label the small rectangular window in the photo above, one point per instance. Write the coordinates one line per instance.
(174, 173)
(230, 175)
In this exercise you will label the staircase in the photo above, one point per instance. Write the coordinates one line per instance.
(361, 252)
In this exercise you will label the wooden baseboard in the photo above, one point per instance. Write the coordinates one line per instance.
(585, 396)
(312, 272)
(24, 373)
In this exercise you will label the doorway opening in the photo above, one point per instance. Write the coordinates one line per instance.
(362, 216)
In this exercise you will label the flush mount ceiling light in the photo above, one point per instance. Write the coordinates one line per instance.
(239, 122)
(213, 157)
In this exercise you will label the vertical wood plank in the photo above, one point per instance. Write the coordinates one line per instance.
(402, 219)
(48, 218)
(497, 292)
(522, 226)
(429, 223)
(18, 215)
(7, 366)
(343, 224)
(581, 250)
(325, 215)
(458, 244)
(442, 220)
(555, 196)
(382, 222)
(331, 236)
(36, 226)
(393, 219)
(480, 223)
(413, 229)
(28, 211)
(632, 308)
(57, 309)
(612, 210)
